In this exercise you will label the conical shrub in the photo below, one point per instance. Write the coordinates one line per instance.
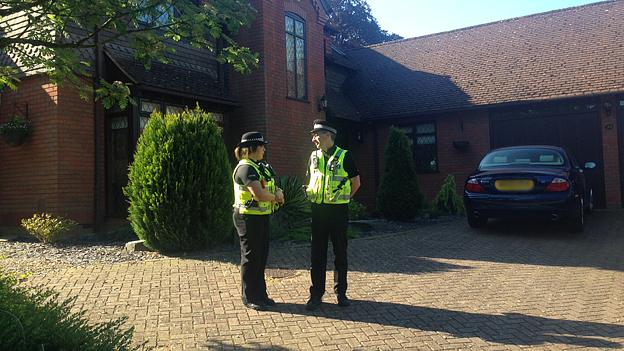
(447, 201)
(179, 187)
(399, 196)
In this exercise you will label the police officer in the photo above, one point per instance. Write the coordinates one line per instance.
(255, 198)
(334, 179)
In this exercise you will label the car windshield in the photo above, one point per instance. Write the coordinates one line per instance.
(523, 157)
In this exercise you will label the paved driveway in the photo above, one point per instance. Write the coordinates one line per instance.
(441, 287)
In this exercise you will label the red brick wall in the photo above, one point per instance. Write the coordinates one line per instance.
(75, 155)
(263, 94)
(610, 152)
(249, 90)
(50, 171)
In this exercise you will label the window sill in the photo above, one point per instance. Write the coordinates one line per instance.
(305, 100)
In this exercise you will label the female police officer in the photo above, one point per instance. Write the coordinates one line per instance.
(255, 197)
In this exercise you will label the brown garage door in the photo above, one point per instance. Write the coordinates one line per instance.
(573, 126)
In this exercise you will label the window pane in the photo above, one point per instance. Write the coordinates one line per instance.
(290, 25)
(149, 107)
(119, 123)
(174, 109)
(142, 122)
(299, 28)
(218, 117)
(300, 68)
(290, 64)
(425, 128)
(425, 140)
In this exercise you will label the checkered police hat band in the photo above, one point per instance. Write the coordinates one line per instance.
(253, 139)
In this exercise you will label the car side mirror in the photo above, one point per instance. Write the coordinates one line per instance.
(589, 165)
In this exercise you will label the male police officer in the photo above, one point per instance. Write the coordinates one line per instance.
(334, 179)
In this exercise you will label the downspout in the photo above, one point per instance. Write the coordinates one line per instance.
(96, 131)
(375, 157)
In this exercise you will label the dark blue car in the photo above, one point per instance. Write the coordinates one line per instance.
(533, 181)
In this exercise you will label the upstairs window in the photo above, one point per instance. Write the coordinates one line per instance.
(295, 56)
(158, 15)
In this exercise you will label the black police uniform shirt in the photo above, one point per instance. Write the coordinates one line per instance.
(245, 174)
(348, 162)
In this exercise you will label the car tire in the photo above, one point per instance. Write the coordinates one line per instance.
(476, 222)
(577, 223)
(589, 206)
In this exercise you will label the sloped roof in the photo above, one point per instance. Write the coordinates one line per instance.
(193, 73)
(565, 53)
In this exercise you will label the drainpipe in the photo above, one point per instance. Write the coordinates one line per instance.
(96, 132)
(375, 155)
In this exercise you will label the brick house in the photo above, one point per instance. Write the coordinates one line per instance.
(75, 161)
(556, 77)
(550, 78)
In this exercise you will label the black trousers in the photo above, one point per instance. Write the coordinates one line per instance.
(253, 233)
(329, 222)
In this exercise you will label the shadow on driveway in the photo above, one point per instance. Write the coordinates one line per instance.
(417, 251)
(508, 328)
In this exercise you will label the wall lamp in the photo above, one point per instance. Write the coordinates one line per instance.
(322, 103)
(607, 107)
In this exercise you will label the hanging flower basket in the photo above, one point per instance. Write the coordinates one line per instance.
(15, 131)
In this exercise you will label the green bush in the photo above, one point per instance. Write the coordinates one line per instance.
(292, 220)
(399, 196)
(447, 201)
(179, 185)
(356, 210)
(46, 227)
(36, 319)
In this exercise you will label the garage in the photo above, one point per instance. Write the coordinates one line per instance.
(574, 125)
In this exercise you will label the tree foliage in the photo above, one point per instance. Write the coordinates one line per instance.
(399, 196)
(355, 25)
(41, 34)
(179, 184)
(36, 318)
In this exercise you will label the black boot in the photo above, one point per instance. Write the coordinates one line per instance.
(313, 303)
(343, 300)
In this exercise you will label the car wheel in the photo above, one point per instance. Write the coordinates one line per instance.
(476, 222)
(577, 223)
(589, 206)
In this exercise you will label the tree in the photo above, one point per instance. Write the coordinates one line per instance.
(355, 26)
(42, 35)
(179, 185)
(399, 196)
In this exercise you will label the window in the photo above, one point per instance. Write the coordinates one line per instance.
(424, 146)
(147, 107)
(295, 56)
(156, 15)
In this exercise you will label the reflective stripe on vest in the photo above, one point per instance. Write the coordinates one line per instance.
(329, 182)
(243, 199)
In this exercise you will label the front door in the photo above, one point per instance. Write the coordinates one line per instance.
(118, 160)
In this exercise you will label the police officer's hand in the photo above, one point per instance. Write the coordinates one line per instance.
(279, 196)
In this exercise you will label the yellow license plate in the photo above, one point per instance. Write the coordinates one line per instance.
(514, 185)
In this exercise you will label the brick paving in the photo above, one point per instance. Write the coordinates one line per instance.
(511, 286)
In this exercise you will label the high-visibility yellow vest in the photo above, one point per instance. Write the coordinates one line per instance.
(329, 182)
(243, 199)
